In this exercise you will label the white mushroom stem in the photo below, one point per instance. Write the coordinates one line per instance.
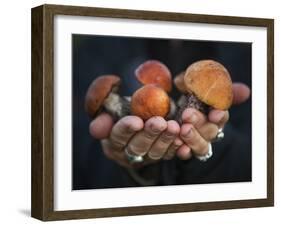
(116, 105)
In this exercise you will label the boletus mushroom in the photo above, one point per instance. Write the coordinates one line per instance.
(207, 85)
(157, 73)
(154, 72)
(150, 100)
(102, 93)
(179, 82)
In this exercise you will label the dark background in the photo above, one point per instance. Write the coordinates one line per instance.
(93, 56)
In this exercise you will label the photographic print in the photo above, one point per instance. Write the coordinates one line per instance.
(136, 63)
(141, 112)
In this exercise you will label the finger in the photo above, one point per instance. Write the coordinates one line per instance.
(184, 152)
(161, 145)
(209, 131)
(118, 157)
(142, 141)
(123, 130)
(241, 93)
(101, 126)
(194, 117)
(193, 139)
(106, 149)
(218, 117)
(172, 149)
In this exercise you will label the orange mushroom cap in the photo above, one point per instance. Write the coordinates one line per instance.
(150, 100)
(98, 91)
(210, 82)
(154, 72)
(179, 82)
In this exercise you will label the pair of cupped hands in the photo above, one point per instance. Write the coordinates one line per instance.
(157, 139)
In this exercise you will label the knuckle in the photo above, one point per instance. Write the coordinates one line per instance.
(150, 135)
(117, 143)
(137, 150)
(166, 138)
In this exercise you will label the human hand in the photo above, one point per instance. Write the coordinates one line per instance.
(155, 139)
(139, 138)
(199, 130)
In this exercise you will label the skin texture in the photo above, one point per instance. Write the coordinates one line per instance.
(150, 101)
(98, 91)
(150, 138)
(240, 91)
(154, 72)
(210, 82)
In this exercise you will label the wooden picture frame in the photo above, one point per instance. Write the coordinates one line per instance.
(42, 205)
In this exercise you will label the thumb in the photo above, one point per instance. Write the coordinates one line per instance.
(241, 93)
(101, 126)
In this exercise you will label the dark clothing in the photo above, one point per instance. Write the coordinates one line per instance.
(97, 55)
(229, 163)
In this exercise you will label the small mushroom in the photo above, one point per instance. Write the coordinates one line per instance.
(150, 100)
(102, 93)
(155, 72)
(207, 84)
(179, 82)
